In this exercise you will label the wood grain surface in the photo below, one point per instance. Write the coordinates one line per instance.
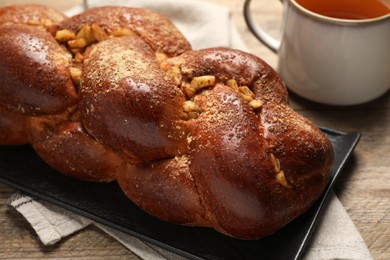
(363, 187)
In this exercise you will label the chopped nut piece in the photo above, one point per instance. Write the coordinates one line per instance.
(77, 43)
(247, 98)
(98, 32)
(86, 34)
(186, 71)
(75, 73)
(275, 162)
(255, 104)
(46, 22)
(246, 93)
(245, 90)
(187, 89)
(33, 22)
(192, 115)
(122, 32)
(200, 82)
(65, 35)
(75, 50)
(175, 74)
(281, 178)
(165, 66)
(161, 56)
(40, 22)
(173, 71)
(232, 83)
(189, 106)
(78, 57)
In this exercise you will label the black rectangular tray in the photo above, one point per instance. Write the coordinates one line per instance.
(21, 168)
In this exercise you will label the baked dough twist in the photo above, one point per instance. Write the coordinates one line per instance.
(194, 137)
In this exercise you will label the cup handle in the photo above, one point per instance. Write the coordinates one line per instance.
(258, 32)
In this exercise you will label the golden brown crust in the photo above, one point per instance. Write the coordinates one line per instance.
(203, 138)
(13, 128)
(262, 167)
(64, 145)
(154, 29)
(167, 182)
(137, 124)
(35, 72)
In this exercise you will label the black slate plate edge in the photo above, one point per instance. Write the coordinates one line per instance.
(350, 139)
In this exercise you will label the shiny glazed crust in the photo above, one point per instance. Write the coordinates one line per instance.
(43, 94)
(262, 167)
(44, 84)
(154, 29)
(13, 128)
(199, 138)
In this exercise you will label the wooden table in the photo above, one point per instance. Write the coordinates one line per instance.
(363, 188)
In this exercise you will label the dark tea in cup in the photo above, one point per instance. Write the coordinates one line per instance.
(335, 61)
(347, 9)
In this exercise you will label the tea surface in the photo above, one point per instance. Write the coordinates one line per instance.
(347, 9)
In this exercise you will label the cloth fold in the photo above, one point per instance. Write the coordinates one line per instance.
(204, 24)
(336, 236)
(51, 223)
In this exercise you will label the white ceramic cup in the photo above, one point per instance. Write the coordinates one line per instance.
(329, 60)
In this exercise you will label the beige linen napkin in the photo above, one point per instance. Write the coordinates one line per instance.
(336, 236)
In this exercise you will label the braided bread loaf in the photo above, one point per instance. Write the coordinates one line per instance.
(200, 138)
